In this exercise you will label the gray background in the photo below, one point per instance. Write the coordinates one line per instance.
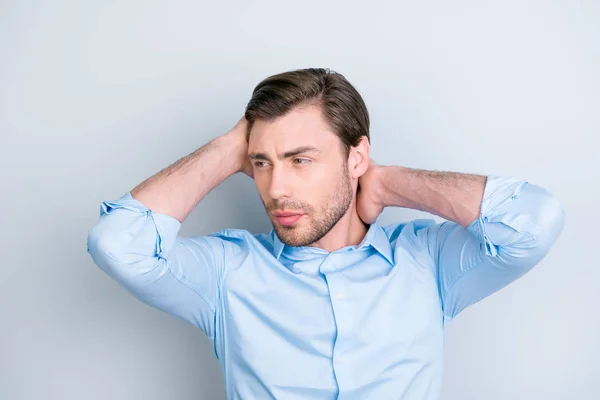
(97, 96)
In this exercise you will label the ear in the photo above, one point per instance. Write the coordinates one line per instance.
(359, 158)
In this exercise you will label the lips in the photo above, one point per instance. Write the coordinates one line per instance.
(287, 218)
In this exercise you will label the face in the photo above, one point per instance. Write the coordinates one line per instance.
(301, 174)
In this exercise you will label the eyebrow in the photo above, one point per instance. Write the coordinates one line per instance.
(287, 154)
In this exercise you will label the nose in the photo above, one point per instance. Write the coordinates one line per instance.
(279, 186)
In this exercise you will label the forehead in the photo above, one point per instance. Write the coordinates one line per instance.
(300, 127)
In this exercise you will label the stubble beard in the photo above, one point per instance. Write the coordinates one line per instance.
(320, 223)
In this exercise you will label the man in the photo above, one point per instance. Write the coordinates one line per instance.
(329, 304)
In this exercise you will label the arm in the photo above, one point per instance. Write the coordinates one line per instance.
(136, 242)
(498, 228)
(177, 190)
(451, 195)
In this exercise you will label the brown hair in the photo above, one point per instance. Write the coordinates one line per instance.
(341, 104)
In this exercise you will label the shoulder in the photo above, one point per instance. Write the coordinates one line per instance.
(414, 239)
(418, 236)
(238, 247)
(408, 230)
(240, 239)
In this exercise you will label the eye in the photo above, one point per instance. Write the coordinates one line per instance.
(260, 164)
(301, 161)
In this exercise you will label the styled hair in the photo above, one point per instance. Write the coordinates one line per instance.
(341, 104)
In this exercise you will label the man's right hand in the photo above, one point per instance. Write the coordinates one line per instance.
(239, 133)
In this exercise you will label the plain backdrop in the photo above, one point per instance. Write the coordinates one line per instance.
(97, 96)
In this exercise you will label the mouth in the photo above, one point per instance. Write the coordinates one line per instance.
(287, 218)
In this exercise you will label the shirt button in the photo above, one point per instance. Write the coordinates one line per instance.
(340, 296)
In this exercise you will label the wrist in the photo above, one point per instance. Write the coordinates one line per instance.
(237, 149)
(380, 188)
(390, 179)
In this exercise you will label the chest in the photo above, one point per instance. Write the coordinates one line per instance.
(293, 322)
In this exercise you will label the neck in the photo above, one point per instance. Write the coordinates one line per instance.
(350, 230)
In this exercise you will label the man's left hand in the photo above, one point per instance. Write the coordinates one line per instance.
(368, 202)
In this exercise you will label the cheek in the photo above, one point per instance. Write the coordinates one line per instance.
(261, 186)
(327, 179)
(322, 188)
(311, 185)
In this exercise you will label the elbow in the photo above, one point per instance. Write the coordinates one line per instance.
(130, 244)
(103, 245)
(536, 227)
(109, 235)
(549, 216)
(100, 243)
(122, 245)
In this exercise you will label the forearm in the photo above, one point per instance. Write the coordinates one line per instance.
(451, 195)
(177, 189)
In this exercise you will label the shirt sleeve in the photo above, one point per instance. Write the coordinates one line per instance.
(517, 225)
(143, 252)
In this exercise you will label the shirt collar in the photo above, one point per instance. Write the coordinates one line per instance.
(375, 237)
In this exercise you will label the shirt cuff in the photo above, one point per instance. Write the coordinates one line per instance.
(167, 227)
(499, 191)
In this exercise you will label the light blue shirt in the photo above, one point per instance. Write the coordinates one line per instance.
(362, 322)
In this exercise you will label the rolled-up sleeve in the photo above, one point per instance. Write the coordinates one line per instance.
(518, 224)
(142, 251)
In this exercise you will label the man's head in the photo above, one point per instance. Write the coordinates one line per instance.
(308, 141)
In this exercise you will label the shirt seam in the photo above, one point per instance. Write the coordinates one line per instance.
(220, 286)
(189, 286)
(180, 280)
(483, 257)
(473, 267)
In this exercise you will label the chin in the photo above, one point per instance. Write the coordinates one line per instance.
(291, 235)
